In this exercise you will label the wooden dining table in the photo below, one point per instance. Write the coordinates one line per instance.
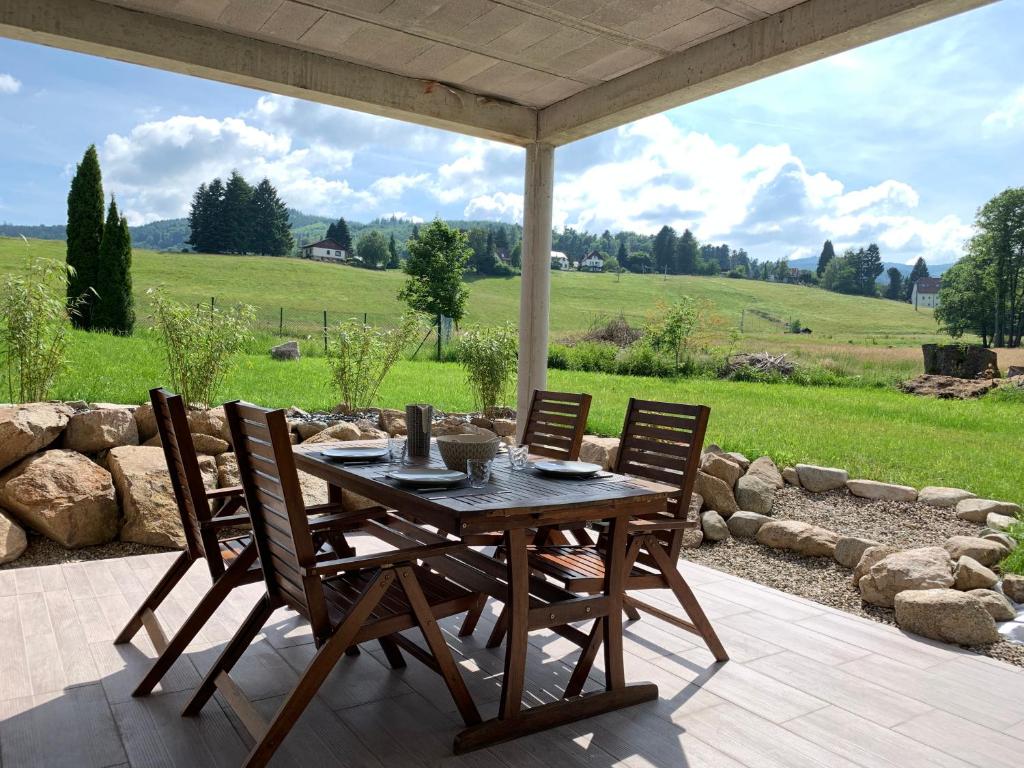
(512, 504)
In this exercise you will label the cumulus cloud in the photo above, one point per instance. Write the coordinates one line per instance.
(1008, 115)
(9, 83)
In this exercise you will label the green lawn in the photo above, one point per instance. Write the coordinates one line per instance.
(874, 433)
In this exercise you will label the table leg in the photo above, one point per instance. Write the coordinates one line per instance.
(614, 582)
(336, 538)
(517, 607)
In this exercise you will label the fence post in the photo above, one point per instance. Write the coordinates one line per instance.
(280, 323)
(743, 314)
(439, 338)
(213, 302)
(325, 331)
(364, 318)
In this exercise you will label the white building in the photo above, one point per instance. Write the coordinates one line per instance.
(559, 260)
(325, 250)
(592, 263)
(926, 292)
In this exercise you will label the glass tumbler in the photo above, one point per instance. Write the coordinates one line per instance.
(479, 471)
(396, 450)
(518, 456)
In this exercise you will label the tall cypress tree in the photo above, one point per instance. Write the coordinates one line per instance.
(114, 310)
(686, 254)
(828, 252)
(84, 232)
(665, 249)
(920, 270)
(393, 261)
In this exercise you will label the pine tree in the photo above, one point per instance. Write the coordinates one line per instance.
(342, 236)
(920, 270)
(622, 257)
(198, 218)
(869, 268)
(664, 249)
(686, 254)
(214, 226)
(895, 289)
(501, 243)
(827, 254)
(84, 233)
(114, 309)
(236, 214)
(268, 222)
(394, 262)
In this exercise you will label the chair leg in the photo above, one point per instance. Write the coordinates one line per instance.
(392, 652)
(323, 662)
(438, 647)
(631, 613)
(586, 660)
(163, 588)
(211, 601)
(473, 616)
(230, 655)
(500, 629)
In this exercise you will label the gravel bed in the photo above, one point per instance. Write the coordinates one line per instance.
(42, 551)
(901, 524)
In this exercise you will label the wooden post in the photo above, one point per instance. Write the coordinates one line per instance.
(535, 291)
(325, 331)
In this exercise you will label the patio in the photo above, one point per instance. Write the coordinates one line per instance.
(807, 686)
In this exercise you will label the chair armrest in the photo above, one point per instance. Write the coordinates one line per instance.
(226, 521)
(360, 562)
(224, 493)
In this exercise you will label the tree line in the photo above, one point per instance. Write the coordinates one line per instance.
(238, 218)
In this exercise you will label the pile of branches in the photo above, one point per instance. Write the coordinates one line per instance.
(761, 362)
(614, 330)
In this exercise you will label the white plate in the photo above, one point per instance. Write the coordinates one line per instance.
(427, 476)
(567, 468)
(355, 453)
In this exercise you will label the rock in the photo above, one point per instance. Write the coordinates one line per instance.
(872, 489)
(985, 551)
(714, 526)
(1014, 371)
(850, 549)
(692, 538)
(481, 421)
(725, 469)
(976, 510)
(937, 496)
(211, 446)
(802, 538)
(947, 387)
(145, 421)
(946, 615)
(154, 441)
(28, 428)
(368, 431)
(307, 429)
(453, 425)
(745, 525)
(871, 556)
(13, 541)
(505, 427)
(314, 490)
(969, 574)
(227, 471)
(294, 412)
(289, 350)
(998, 607)
(740, 459)
(716, 494)
(821, 479)
(1013, 587)
(343, 430)
(147, 497)
(1002, 538)
(210, 421)
(911, 569)
(600, 450)
(790, 476)
(64, 496)
(755, 493)
(765, 468)
(999, 522)
(392, 421)
(100, 429)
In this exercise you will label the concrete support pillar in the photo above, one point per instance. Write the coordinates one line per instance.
(535, 292)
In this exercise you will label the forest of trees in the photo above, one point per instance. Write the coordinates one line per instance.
(238, 218)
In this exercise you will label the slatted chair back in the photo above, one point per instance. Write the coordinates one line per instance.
(186, 478)
(662, 442)
(556, 423)
(279, 522)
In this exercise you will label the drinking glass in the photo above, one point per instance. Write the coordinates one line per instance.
(517, 456)
(479, 471)
(396, 450)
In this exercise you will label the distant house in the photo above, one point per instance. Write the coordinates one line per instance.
(559, 260)
(926, 292)
(592, 263)
(325, 250)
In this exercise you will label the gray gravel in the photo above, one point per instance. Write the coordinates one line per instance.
(42, 551)
(901, 524)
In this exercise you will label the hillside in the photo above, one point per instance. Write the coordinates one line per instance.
(305, 289)
(935, 270)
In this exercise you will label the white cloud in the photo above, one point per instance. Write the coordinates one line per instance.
(9, 83)
(1008, 115)
(505, 206)
(395, 186)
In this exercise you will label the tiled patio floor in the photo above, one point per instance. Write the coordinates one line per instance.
(807, 686)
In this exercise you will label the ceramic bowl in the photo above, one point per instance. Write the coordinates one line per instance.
(456, 450)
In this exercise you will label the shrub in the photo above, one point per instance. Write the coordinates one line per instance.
(593, 356)
(34, 328)
(558, 356)
(490, 356)
(642, 359)
(1014, 562)
(677, 328)
(361, 355)
(199, 342)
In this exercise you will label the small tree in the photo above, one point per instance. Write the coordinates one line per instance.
(84, 233)
(895, 289)
(394, 262)
(677, 326)
(34, 328)
(361, 356)
(199, 342)
(114, 308)
(437, 258)
(373, 250)
(828, 253)
(490, 356)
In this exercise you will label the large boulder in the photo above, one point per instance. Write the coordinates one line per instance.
(998, 607)
(765, 469)
(790, 477)
(599, 450)
(288, 350)
(227, 470)
(961, 361)
(147, 498)
(13, 541)
(368, 430)
(208, 444)
(946, 615)
(307, 429)
(1013, 587)
(912, 569)
(393, 421)
(745, 525)
(714, 526)
(802, 538)
(977, 510)
(720, 466)
(755, 494)
(343, 430)
(145, 422)
(456, 425)
(28, 428)
(938, 496)
(871, 556)
(820, 479)
(1002, 538)
(64, 496)
(98, 429)
(986, 552)
(850, 549)
(872, 489)
(209, 421)
(969, 574)
(1001, 523)
(716, 494)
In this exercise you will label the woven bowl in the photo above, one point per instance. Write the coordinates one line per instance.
(456, 450)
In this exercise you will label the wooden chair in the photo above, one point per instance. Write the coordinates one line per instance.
(556, 423)
(662, 442)
(346, 601)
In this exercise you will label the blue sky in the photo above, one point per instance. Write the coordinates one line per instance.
(897, 142)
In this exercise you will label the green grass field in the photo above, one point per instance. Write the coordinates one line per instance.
(875, 433)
